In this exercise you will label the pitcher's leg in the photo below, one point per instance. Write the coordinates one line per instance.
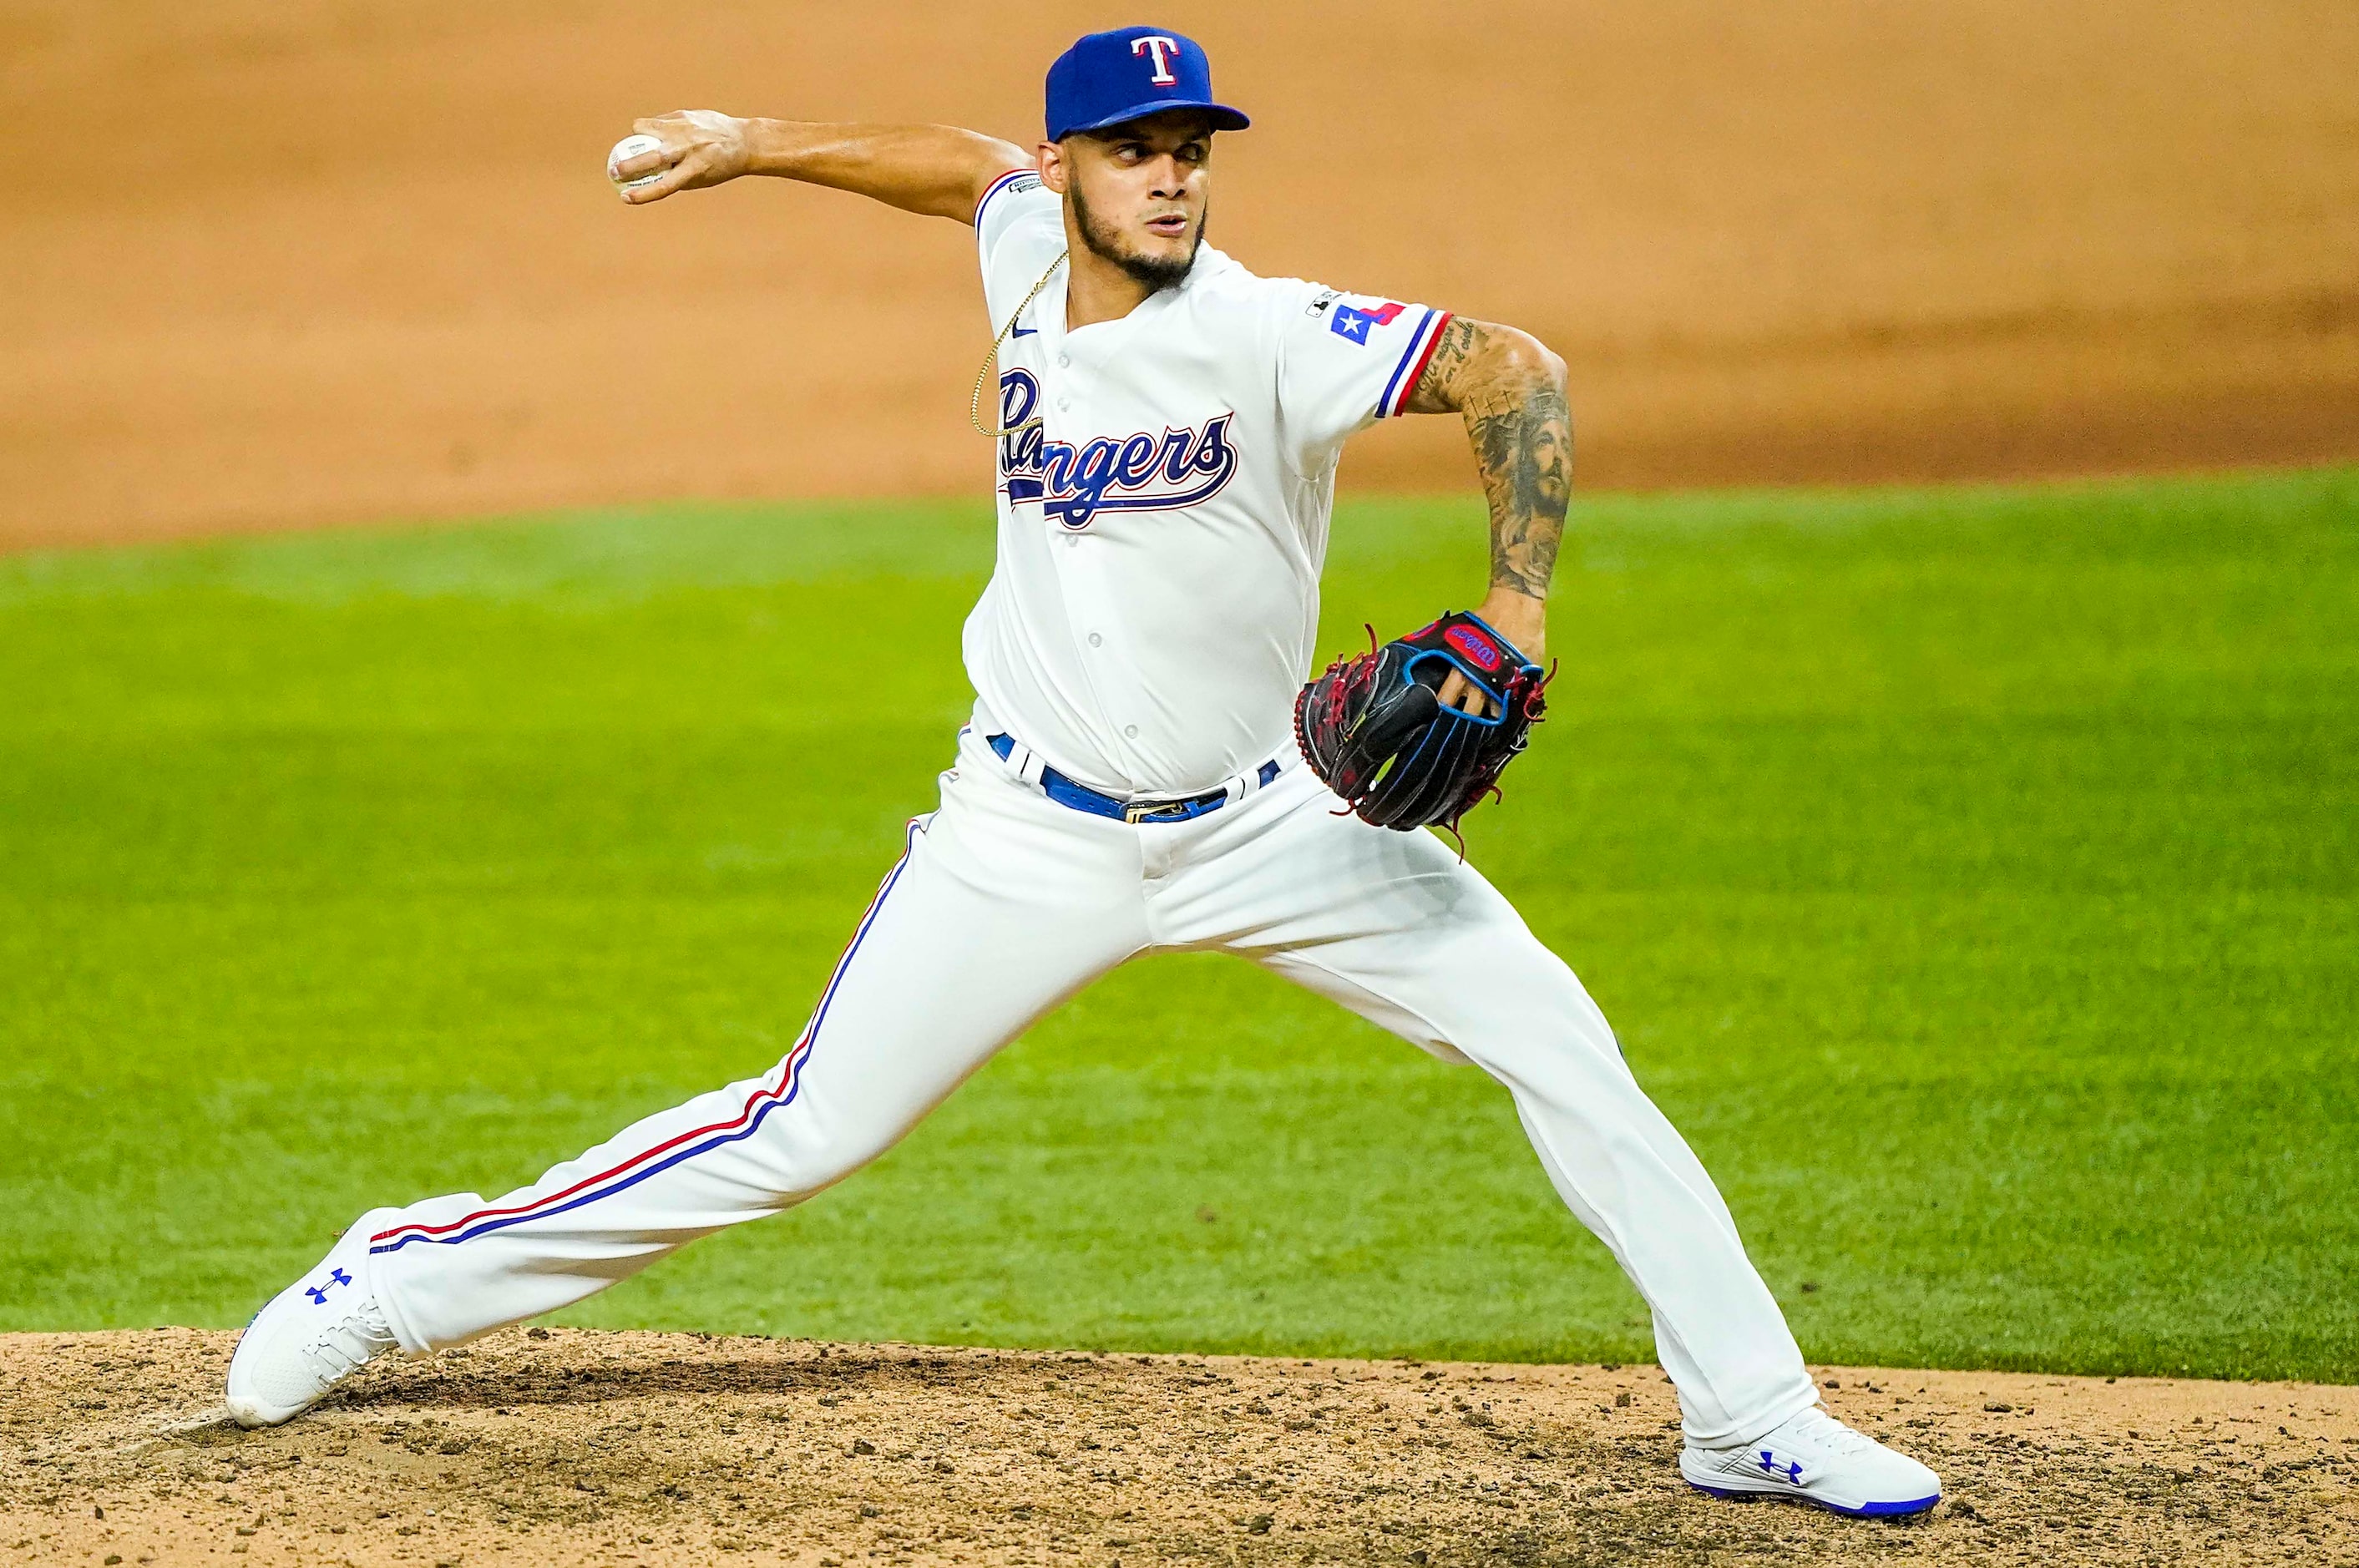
(1512, 1007)
(1395, 928)
(989, 919)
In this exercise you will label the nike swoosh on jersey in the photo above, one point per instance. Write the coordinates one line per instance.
(1025, 333)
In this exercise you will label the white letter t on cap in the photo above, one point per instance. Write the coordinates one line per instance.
(1163, 49)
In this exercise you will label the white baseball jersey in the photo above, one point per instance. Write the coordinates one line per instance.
(1161, 530)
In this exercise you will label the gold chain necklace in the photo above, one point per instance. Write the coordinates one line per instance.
(983, 373)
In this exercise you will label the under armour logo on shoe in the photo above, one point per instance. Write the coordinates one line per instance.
(1791, 1471)
(319, 1293)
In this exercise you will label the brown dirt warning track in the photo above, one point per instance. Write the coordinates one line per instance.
(571, 1448)
(275, 263)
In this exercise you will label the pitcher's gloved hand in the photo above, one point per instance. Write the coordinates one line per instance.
(1373, 727)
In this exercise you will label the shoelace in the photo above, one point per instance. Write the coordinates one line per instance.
(1814, 1425)
(350, 1343)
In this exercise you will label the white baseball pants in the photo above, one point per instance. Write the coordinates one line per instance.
(1005, 903)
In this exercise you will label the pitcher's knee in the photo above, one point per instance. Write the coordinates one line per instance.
(795, 1156)
(1562, 1050)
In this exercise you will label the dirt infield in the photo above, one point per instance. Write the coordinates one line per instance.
(565, 1447)
(280, 262)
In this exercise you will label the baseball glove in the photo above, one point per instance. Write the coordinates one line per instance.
(1374, 728)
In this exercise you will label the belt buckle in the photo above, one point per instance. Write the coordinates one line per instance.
(1137, 812)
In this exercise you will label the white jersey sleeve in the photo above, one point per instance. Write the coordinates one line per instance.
(1019, 229)
(1345, 361)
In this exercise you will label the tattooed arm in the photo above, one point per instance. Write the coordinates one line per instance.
(1511, 390)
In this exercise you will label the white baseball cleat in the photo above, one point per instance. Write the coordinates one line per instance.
(311, 1335)
(1814, 1458)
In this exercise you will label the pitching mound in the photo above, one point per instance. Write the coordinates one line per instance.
(576, 1447)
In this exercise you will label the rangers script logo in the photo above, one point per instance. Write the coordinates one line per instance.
(1143, 472)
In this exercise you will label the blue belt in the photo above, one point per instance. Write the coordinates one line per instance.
(1082, 797)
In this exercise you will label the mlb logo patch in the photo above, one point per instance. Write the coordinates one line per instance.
(1351, 322)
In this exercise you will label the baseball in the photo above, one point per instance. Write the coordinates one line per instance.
(631, 146)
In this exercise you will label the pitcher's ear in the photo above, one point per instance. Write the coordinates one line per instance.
(1052, 167)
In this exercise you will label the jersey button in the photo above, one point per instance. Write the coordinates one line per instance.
(1064, 361)
(1064, 404)
(1130, 730)
(1096, 641)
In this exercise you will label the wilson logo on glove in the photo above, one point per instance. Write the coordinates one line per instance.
(1476, 646)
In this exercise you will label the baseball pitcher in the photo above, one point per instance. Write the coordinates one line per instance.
(1145, 771)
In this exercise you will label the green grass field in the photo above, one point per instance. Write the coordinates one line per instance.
(1973, 875)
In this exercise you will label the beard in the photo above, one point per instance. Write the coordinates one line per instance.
(1155, 271)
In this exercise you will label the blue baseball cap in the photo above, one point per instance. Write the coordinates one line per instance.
(1107, 78)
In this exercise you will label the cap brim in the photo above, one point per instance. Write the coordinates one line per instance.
(1223, 117)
